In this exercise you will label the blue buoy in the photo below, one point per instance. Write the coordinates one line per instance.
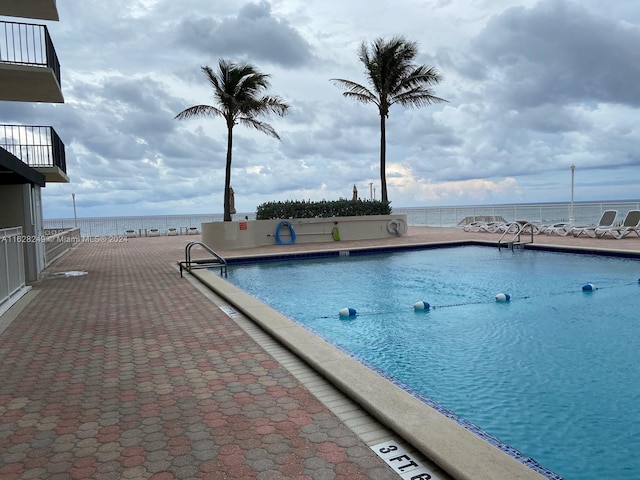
(348, 312)
(503, 297)
(421, 306)
(588, 287)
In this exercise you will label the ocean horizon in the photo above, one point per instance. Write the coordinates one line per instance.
(580, 213)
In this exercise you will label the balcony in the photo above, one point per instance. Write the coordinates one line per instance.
(29, 66)
(41, 9)
(38, 147)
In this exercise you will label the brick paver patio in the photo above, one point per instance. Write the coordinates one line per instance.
(129, 372)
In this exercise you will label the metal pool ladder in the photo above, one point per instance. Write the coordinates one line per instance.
(188, 264)
(518, 228)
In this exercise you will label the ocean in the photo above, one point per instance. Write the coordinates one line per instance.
(583, 213)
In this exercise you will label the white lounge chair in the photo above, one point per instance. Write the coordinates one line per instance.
(562, 229)
(483, 223)
(607, 220)
(630, 224)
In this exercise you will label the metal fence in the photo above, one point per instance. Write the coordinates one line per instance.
(35, 145)
(12, 276)
(583, 213)
(141, 225)
(28, 44)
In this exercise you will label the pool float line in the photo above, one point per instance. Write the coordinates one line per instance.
(423, 306)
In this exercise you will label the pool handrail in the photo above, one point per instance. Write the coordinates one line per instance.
(188, 264)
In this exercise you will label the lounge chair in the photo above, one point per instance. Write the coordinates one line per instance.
(487, 227)
(562, 229)
(607, 220)
(482, 223)
(630, 224)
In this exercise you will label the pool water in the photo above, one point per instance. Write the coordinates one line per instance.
(553, 373)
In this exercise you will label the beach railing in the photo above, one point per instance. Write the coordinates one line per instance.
(547, 214)
(138, 226)
(58, 242)
(583, 213)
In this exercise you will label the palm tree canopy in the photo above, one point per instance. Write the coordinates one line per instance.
(393, 76)
(238, 91)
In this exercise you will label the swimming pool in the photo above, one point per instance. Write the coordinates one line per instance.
(552, 373)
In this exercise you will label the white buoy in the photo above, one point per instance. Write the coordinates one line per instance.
(588, 287)
(503, 297)
(348, 312)
(421, 306)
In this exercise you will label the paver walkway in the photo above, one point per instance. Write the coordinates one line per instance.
(129, 372)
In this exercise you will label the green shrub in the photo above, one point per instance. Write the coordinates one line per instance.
(322, 209)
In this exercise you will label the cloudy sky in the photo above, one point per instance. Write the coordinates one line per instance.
(533, 86)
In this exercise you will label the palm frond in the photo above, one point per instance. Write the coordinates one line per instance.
(199, 110)
(258, 125)
(263, 105)
(355, 91)
(416, 98)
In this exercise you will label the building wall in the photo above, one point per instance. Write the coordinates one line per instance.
(21, 204)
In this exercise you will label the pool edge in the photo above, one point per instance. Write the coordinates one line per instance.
(459, 452)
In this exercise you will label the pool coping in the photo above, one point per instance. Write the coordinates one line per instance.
(459, 451)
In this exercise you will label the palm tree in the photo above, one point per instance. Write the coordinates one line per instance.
(393, 79)
(237, 89)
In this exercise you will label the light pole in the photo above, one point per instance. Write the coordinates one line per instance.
(75, 218)
(573, 171)
(371, 190)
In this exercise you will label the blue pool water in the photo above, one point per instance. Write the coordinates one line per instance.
(555, 373)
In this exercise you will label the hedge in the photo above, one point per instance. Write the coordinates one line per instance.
(322, 209)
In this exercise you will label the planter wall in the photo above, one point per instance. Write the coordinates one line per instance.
(256, 233)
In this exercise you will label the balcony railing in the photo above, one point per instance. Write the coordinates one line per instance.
(28, 44)
(37, 146)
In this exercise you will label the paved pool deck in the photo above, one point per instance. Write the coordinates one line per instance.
(131, 372)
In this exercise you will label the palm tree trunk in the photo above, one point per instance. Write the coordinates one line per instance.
(227, 174)
(383, 155)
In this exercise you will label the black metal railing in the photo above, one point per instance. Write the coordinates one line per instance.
(37, 146)
(28, 44)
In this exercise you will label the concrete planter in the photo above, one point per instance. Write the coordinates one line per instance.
(257, 233)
